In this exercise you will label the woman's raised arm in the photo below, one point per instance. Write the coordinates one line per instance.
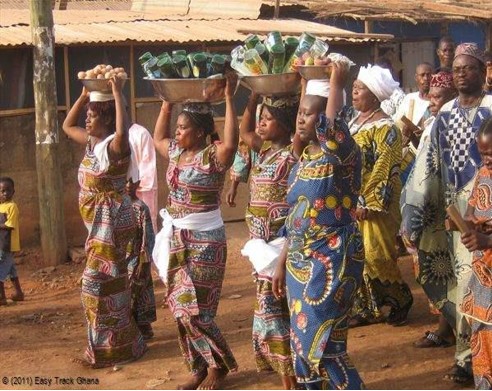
(162, 130)
(120, 145)
(247, 126)
(227, 149)
(70, 127)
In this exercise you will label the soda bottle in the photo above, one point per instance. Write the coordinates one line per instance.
(305, 42)
(181, 66)
(254, 63)
(276, 59)
(199, 65)
(251, 41)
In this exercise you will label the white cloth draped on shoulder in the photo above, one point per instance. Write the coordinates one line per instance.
(102, 155)
(263, 255)
(205, 221)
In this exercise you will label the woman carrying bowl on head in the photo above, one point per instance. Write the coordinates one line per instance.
(108, 215)
(190, 250)
(322, 262)
(271, 157)
(378, 207)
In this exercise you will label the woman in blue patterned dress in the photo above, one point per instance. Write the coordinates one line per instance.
(271, 156)
(195, 244)
(323, 258)
(113, 336)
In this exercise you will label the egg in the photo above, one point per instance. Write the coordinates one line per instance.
(122, 75)
(100, 76)
(81, 75)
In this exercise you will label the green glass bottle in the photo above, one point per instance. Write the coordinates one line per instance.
(165, 65)
(199, 65)
(179, 52)
(276, 60)
(290, 44)
(144, 58)
(263, 52)
(273, 38)
(251, 41)
(181, 66)
(217, 65)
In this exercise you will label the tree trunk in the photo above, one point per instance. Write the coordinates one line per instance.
(51, 216)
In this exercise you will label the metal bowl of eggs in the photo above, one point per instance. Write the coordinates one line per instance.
(97, 78)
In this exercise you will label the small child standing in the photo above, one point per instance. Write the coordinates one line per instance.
(9, 239)
(477, 301)
(139, 255)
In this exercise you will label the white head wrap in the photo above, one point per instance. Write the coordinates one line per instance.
(318, 87)
(378, 80)
(321, 88)
(98, 96)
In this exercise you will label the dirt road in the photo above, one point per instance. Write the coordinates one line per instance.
(38, 337)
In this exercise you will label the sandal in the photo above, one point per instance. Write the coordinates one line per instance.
(460, 376)
(398, 317)
(432, 340)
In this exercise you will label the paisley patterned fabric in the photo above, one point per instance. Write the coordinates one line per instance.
(380, 143)
(107, 213)
(477, 302)
(443, 174)
(325, 258)
(139, 266)
(197, 260)
(265, 215)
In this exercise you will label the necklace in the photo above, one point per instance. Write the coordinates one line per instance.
(477, 102)
(467, 112)
(358, 126)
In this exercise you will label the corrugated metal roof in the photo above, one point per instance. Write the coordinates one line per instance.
(202, 9)
(412, 11)
(178, 31)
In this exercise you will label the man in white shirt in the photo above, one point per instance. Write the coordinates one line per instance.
(143, 145)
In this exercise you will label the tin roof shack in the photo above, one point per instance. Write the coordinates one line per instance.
(416, 25)
(85, 38)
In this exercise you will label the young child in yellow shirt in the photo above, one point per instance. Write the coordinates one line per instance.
(9, 239)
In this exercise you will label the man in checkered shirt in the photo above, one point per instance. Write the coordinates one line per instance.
(451, 160)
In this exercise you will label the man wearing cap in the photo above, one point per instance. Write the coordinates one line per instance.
(451, 160)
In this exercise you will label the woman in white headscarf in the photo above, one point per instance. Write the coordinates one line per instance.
(377, 210)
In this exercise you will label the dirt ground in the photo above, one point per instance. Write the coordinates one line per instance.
(38, 337)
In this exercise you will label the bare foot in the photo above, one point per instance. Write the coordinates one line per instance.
(214, 379)
(17, 297)
(289, 382)
(194, 381)
(82, 361)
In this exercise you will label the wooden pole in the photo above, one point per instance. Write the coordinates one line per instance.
(276, 11)
(50, 193)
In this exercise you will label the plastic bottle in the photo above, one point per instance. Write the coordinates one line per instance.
(305, 42)
(254, 63)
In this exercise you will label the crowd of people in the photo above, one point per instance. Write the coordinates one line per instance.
(334, 192)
